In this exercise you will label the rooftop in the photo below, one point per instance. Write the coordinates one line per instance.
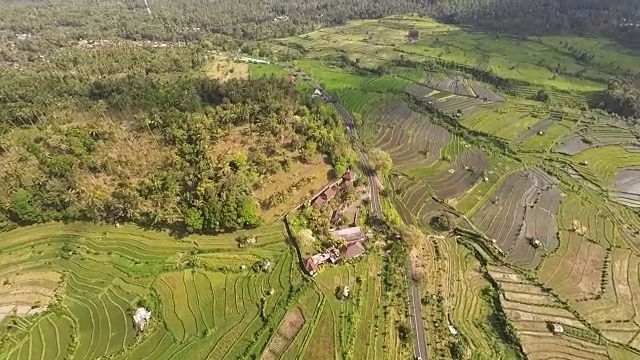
(353, 250)
(351, 234)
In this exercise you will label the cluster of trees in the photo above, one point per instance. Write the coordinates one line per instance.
(52, 23)
(623, 98)
(71, 132)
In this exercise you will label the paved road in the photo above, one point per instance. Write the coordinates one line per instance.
(419, 345)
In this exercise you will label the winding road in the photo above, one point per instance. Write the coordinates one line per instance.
(419, 345)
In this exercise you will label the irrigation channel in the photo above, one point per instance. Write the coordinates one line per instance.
(419, 345)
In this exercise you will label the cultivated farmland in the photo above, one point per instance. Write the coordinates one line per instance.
(531, 311)
(197, 311)
(410, 138)
(626, 187)
(522, 210)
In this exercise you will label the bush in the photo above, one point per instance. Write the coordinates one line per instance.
(441, 222)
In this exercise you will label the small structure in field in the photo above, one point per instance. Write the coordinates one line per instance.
(453, 330)
(536, 243)
(557, 329)
(141, 318)
(252, 60)
(345, 291)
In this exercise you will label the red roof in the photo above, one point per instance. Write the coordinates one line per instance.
(353, 250)
(349, 176)
(310, 266)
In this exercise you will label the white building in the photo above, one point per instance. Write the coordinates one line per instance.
(141, 318)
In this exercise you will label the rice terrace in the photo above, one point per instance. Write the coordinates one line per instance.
(392, 188)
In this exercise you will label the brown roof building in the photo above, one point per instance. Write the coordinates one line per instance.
(327, 195)
(310, 266)
(353, 250)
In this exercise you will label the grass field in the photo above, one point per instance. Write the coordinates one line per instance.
(376, 42)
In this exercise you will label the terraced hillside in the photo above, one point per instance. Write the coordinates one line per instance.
(204, 298)
(538, 186)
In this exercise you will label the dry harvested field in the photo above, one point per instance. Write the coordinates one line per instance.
(530, 310)
(410, 138)
(626, 187)
(522, 209)
(284, 335)
(414, 201)
(591, 134)
(447, 102)
(455, 84)
(452, 180)
(575, 270)
(616, 312)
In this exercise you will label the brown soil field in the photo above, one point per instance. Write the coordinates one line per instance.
(522, 209)
(27, 292)
(540, 346)
(225, 69)
(575, 270)
(315, 175)
(572, 145)
(286, 332)
(455, 84)
(531, 321)
(410, 138)
(455, 180)
(616, 313)
(626, 187)
(483, 92)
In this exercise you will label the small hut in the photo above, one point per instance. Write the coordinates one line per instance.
(557, 329)
(141, 318)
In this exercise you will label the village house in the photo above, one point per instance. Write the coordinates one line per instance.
(312, 264)
(347, 180)
(353, 250)
(350, 235)
(141, 318)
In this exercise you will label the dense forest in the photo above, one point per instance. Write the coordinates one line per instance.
(132, 134)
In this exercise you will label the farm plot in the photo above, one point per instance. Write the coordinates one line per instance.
(521, 212)
(590, 135)
(284, 335)
(530, 310)
(481, 91)
(509, 121)
(108, 271)
(415, 203)
(615, 311)
(448, 103)
(410, 138)
(575, 270)
(552, 131)
(626, 187)
(452, 180)
(601, 164)
(454, 84)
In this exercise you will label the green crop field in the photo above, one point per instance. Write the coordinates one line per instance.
(203, 303)
(518, 167)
